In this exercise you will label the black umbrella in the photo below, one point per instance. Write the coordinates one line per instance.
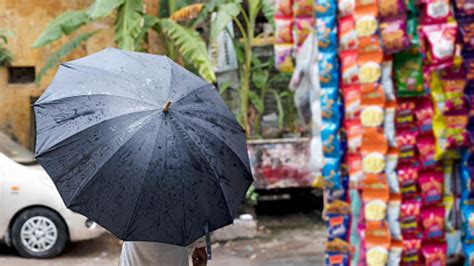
(142, 146)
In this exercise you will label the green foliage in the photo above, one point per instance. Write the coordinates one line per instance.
(128, 24)
(191, 46)
(65, 24)
(65, 50)
(5, 55)
(103, 8)
(149, 22)
(268, 9)
(251, 197)
(225, 14)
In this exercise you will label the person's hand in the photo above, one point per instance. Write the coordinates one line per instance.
(199, 257)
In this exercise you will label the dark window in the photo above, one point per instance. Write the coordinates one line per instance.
(21, 75)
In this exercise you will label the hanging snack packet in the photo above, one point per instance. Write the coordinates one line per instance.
(372, 105)
(328, 69)
(374, 148)
(424, 114)
(345, 7)
(347, 33)
(411, 251)
(454, 244)
(375, 204)
(448, 203)
(426, 150)
(338, 220)
(390, 170)
(406, 114)
(327, 37)
(467, 212)
(406, 141)
(366, 22)
(303, 26)
(370, 66)
(394, 35)
(283, 57)
(453, 81)
(284, 8)
(468, 249)
(302, 8)
(364, 3)
(354, 135)
(407, 178)
(350, 71)
(389, 123)
(408, 74)
(377, 250)
(434, 254)
(331, 173)
(325, 8)
(396, 251)
(352, 100)
(441, 39)
(412, 30)
(337, 253)
(431, 185)
(409, 216)
(283, 30)
(466, 28)
(330, 139)
(435, 11)
(391, 8)
(354, 163)
(433, 222)
(387, 82)
(393, 216)
(329, 105)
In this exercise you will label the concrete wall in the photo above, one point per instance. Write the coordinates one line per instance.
(27, 19)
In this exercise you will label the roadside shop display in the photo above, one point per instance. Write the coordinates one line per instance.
(396, 85)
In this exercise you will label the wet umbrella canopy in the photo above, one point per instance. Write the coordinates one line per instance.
(142, 146)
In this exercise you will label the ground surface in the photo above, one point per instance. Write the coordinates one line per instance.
(291, 233)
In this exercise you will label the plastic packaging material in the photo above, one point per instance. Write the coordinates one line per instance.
(372, 106)
(325, 8)
(375, 204)
(412, 30)
(407, 178)
(463, 9)
(389, 123)
(393, 214)
(433, 222)
(426, 150)
(330, 140)
(453, 240)
(302, 8)
(354, 164)
(329, 106)
(349, 68)
(337, 253)
(467, 212)
(347, 33)
(468, 249)
(331, 173)
(406, 141)
(366, 22)
(338, 220)
(424, 114)
(283, 57)
(435, 11)
(408, 74)
(283, 30)
(406, 114)
(392, 160)
(394, 35)
(352, 100)
(377, 249)
(303, 26)
(284, 8)
(431, 185)
(346, 7)
(434, 254)
(411, 251)
(453, 81)
(409, 216)
(328, 69)
(391, 8)
(468, 60)
(448, 203)
(354, 135)
(370, 66)
(387, 81)
(466, 28)
(441, 41)
(396, 251)
(374, 148)
(327, 37)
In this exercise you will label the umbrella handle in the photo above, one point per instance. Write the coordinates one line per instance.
(166, 106)
(208, 241)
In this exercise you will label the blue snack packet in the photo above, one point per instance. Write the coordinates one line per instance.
(337, 226)
(467, 212)
(328, 69)
(330, 106)
(468, 249)
(327, 34)
(330, 140)
(331, 173)
(336, 258)
(325, 8)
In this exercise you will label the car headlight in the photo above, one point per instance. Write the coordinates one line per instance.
(90, 224)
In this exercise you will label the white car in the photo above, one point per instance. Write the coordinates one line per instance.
(33, 217)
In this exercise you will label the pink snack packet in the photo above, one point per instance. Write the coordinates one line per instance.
(431, 185)
(426, 148)
(433, 222)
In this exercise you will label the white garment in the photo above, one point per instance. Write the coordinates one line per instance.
(138, 253)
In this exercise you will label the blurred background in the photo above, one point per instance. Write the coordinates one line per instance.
(228, 43)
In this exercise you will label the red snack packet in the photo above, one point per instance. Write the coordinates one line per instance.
(424, 114)
(303, 26)
(350, 71)
(409, 216)
(394, 35)
(405, 113)
(347, 33)
(283, 30)
(284, 8)
(354, 135)
(434, 254)
(441, 41)
(426, 149)
(407, 178)
(435, 11)
(354, 165)
(433, 222)
(454, 81)
(431, 185)
(352, 99)
(411, 251)
(303, 8)
(406, 141)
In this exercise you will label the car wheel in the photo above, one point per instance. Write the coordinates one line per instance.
(39, 233)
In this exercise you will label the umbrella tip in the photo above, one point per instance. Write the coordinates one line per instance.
(166, 106)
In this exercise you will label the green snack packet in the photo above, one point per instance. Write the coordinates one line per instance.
(409, 74)
(412, 25)
(411, 7)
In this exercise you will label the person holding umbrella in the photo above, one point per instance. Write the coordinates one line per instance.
(144, 148)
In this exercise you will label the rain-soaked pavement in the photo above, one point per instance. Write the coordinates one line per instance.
(290, 233)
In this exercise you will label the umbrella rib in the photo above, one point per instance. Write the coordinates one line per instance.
(88, 95)
(56, 146)
(216, 176)
(218, 138)
(193, 91)
(85, 184)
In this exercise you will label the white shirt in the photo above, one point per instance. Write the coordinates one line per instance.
(137, 253)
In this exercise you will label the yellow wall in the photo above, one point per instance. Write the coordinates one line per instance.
(26, 19)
